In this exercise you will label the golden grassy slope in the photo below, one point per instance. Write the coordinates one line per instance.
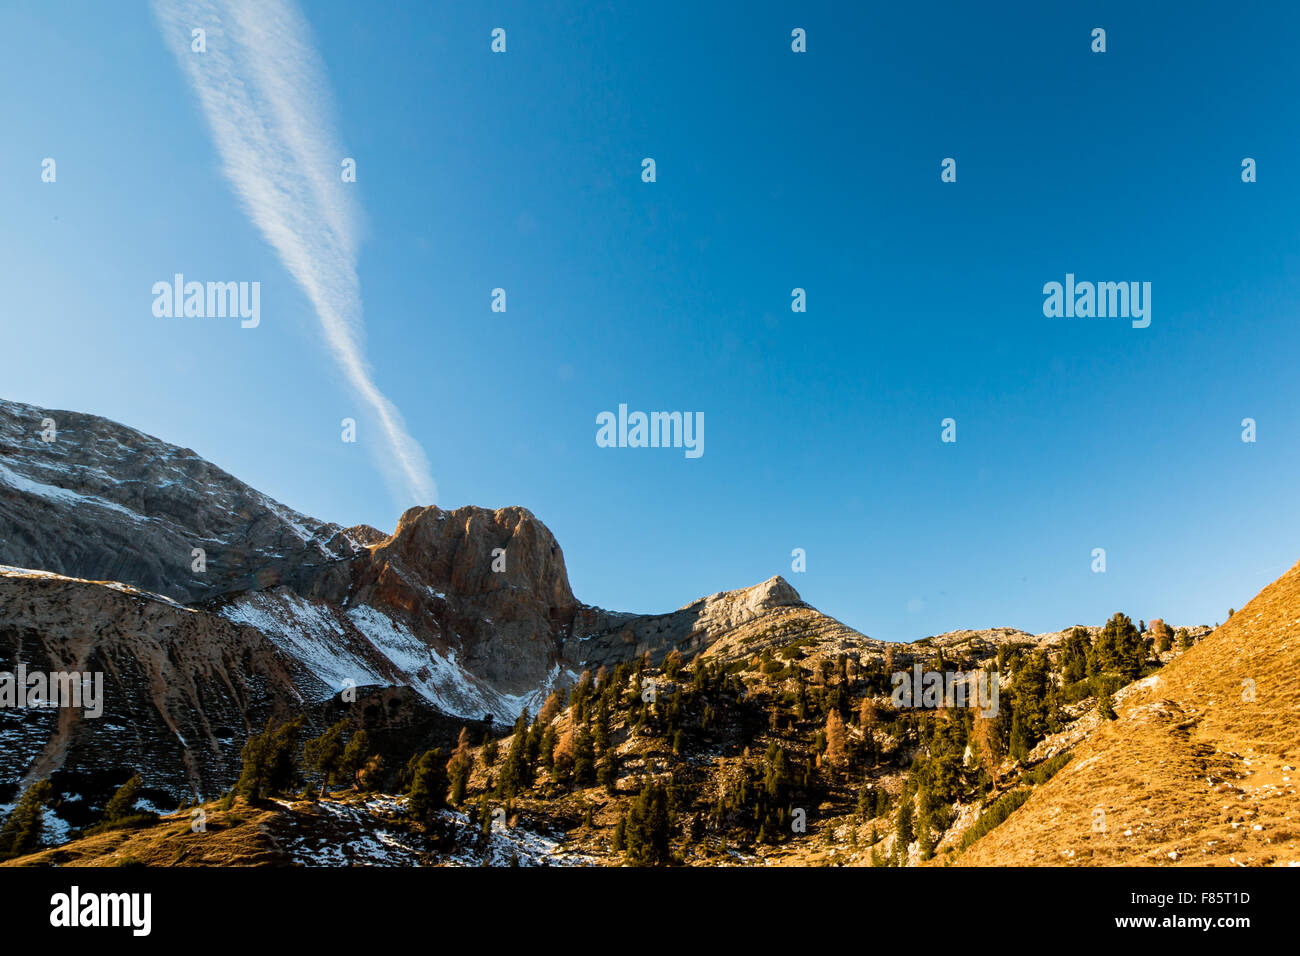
(1194, 772)
(240, 836)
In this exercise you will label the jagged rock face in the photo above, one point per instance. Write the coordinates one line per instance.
(181, 689)
(489, 585)
(108, 503)
(456, 548)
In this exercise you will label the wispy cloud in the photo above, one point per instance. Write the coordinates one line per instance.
(264, 92)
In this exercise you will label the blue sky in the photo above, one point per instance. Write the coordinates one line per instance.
(775, 170)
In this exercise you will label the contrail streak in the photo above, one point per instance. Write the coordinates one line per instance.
(264, 93)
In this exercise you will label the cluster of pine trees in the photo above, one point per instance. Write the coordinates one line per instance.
(277, 761)
(24, 828)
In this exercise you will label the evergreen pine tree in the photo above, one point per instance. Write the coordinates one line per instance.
(1105, 706)
(516, 773)
(22, 829)
(584, 758)
(903, 829)
(357, 763)
(648, 828)
(270, 761)
(607, 772)
(324, 754)
(428, 792)
(122, 803)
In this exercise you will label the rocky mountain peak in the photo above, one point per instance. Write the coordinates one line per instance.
(773, 593)
(478, 551)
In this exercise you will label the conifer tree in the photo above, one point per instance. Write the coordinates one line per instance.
(22, 829)
(270, 761)
(672, 664)
(485, 817)
(459, 767)
(357, 763)
(548, 744)
(607, 772)
(925, 839)
(584, 758)
(648, 828)
(1119, 648)
(1163, 635)
(1074, 657)
(428, 792)
(1105, 705)
(516, 773)
(601, 730)
(122, 803)
(550, 709)
(1020, 744)
(866, 802)
(564, 751)
(324, 754)
(903, 830)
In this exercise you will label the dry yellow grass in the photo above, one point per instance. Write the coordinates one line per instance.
(1194, 772)
(241, 836)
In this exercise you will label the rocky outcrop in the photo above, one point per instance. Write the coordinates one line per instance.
(489, 585)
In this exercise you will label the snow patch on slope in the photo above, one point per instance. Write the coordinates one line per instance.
(308, 633)
(61, 495)
(505, 845)
(366, 646)
(440, 679)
